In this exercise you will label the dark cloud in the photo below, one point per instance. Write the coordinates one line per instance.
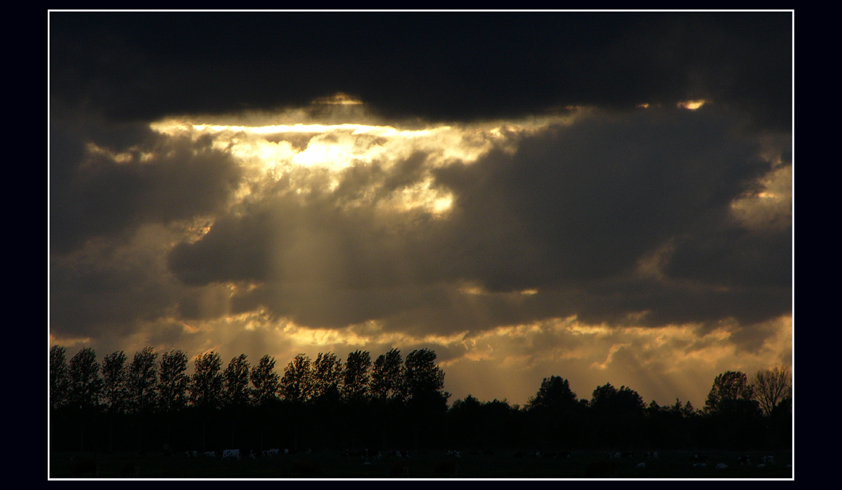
(439, 66)
(135, 177)
(736, 258)
(107, 290)
(585, 202)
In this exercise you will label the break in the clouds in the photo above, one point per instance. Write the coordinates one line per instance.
(569, 216)
(624, 219)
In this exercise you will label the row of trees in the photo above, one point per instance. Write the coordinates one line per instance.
(737, 413)
(391, 402)
(115, 403)
(116, 385)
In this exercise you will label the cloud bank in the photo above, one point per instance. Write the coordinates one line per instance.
(566, 212)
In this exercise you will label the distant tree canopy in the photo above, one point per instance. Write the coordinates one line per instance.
(389, 402)
(618, 414)
(730, 390)
(611, 401)
(735, 418)
(554, 395)
(144, 383)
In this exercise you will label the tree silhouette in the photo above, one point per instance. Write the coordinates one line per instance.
(236, 381)
(265, 380)
(327, 376)
(297, 389)
(467, 424)
(172, 386)
(115, 382)
(554, 413)
(687, 410)
(172, 381)
(554, 395)
(266, 384)
(607, 399)
(85, 388)
(297, 381)
(115, 389)
(670, 426)
(356, 376)
(85, 382)
(143, 377)
(735, 417)
(728, 387)
(423, 379)
(780, 422)
(387, 380)
(771, 386)
(328, 403)
(59, 377)
(205, 388)
(236, 394)
(424, 393)
(206, 384)
(619, 414)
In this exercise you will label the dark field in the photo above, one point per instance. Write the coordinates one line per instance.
(431, 464)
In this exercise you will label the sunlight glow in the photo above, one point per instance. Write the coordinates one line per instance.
(769, 208)
(691, 104)
(273, 151)
(310, 158)
(339, 98)
(611, 351)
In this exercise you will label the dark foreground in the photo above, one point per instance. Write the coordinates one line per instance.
(432, 464)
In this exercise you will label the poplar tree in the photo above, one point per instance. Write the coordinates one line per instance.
(236, 381)
(115, 382)
(423, 379)
(206, 383)
(297, 382)
(172, 381)
(356, 376)
(387, 381)
(59, 377)
(327, 375)
(85, 382)
(265, 380)
(143, 378)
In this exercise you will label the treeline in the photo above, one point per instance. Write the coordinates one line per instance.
(144, 404)
(738, 414)
(391, 402)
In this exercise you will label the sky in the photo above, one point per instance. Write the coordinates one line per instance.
(601, 196)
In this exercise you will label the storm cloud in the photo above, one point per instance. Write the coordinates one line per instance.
(604, 193)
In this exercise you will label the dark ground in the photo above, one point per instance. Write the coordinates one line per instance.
(432, 464)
